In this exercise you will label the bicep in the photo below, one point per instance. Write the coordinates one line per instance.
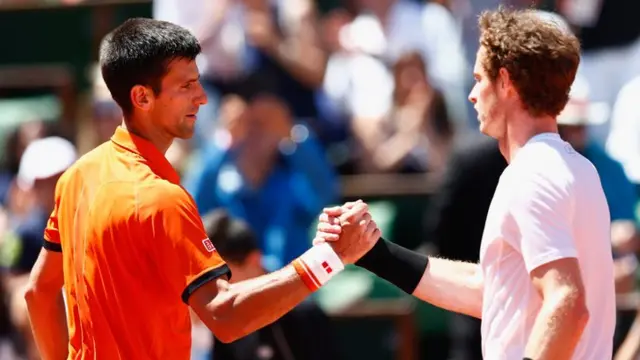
(558, 276)
(47, 273)
(203, 296)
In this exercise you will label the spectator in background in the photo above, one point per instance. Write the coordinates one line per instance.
(267, 170)
(610, 42)
(387, 29)
(106, 114)
(16, 222)
(249, 47)
(416, 134)
(455, 222)
(578, 114)
(623, 143)
(333, 125)
(41, 164)
(303, 333)
(17, 142)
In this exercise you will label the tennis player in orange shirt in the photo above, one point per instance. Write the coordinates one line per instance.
(126, 242)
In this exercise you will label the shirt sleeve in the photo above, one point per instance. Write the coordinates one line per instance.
(188, 257)
(542, 212)
(51, 231)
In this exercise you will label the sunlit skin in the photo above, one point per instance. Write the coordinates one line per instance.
(501, 113)
(171, 113)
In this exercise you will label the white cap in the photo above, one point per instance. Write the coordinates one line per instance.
(580, 110)
(44, 158)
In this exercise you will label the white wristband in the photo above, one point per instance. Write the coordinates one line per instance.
(318, 265)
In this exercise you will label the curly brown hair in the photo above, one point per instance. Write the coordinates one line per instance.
(540, 56)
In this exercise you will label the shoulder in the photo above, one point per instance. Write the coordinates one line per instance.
(86, 169)
(554, 162)
(160, 195)
(550, 173)
(84, 164)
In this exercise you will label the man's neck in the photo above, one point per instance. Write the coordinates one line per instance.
(519, 132)
(160, 140)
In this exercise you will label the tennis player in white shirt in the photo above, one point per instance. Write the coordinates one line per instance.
(544, 285)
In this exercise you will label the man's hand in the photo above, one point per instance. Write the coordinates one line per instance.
(349, 229)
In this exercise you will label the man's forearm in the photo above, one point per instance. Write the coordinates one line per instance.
(452, 285)
(558, 328)
(48, 323)
(249, 305)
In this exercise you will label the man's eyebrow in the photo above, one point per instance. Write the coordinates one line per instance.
(194, 79)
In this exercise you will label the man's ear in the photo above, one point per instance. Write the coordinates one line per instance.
(141, 97)
(505, 83)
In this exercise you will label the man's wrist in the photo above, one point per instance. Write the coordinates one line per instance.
(318, 265)
(398, 265)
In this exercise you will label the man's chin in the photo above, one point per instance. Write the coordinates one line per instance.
(482, 127)
(486, 130)
(185, 133)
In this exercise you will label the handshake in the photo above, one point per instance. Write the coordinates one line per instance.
(345, 234)
(348, 229)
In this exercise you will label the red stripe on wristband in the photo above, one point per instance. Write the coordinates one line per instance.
(307, 276)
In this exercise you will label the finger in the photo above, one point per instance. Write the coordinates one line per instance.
(333, 211)
(350, 204)
(329, 228)
(317, 241)
(353, 214)
(325, 218)
(321, 235)
(366, 219)
(372, 232)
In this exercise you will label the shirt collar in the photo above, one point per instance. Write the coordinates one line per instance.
(145, 149)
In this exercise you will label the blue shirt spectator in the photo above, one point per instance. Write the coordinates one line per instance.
(284, 202)
(618, 189)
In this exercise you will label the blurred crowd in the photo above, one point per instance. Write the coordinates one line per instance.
(302, 93)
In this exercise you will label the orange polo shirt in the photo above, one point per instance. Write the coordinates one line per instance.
(134, 250)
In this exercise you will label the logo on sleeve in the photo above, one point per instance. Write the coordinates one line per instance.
(208, 245)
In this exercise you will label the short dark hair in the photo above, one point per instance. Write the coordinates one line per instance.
(232, 237)
(541, 57)
(139, 52)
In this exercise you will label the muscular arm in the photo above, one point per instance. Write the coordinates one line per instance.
(452, 285)
(241, 308)
(46, 306)
(232, 311)
(563, 316)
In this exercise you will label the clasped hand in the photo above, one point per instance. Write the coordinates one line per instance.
(349, 229)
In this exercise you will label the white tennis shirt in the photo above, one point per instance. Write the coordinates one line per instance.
(549, 205)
